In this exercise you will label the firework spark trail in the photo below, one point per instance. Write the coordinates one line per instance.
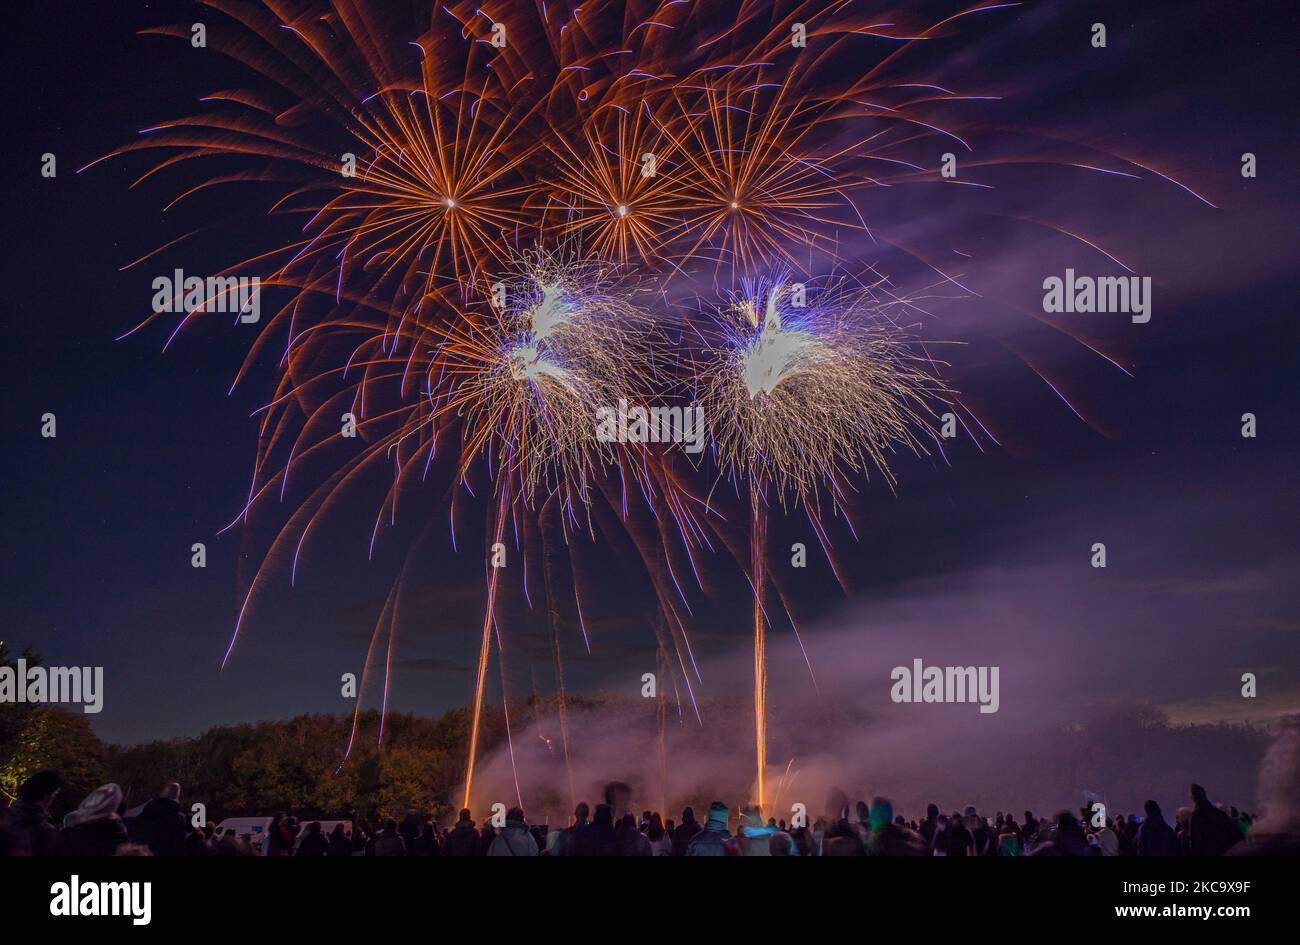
(528, 378)
(758, 545)
(781, 785)
(650, 541)
(553, 622)
(484, 652)
(805, 383)
(661, 719)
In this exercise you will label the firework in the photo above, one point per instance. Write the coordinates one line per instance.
(558, 344)
(530, 375)
(805, 386)
(810, 383)
(755, 189)
(619, 186)
(420, 154)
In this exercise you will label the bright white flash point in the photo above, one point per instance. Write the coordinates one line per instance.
(550, 313)
(772, 357)
(775, 353)
(527, 363)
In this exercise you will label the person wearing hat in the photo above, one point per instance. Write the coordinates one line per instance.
(715, 839)
(685, 832)
(514, 838)
(95, 828)
(161, 825)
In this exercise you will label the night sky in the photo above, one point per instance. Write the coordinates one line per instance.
(152, 455)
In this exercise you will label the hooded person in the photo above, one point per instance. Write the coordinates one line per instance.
(290, 830)
(930, 824)
(889, 838)
(360, 837)
(314, 841)
(340, 844)
(715, 839)
(629, 840)
(558, 841)
(860, 823)
(95, 828)
(409, 830)
(595, 838)
(1211, 832)
(1029, 829)
(685, 832)
(28, 819)
(462, 840)
(514, 838)
(161, 825)
(1155, 837)
(271, 839)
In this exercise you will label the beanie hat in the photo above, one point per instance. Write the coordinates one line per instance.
(100, 804)
(718, 813)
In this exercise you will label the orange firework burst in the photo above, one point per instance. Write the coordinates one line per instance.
(407, 166)
(619, 187)
(437, 196)
(756, 188)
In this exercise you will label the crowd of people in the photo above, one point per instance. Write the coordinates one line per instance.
(100, 826)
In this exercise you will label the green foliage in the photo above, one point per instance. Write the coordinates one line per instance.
(298, 765)
(33, 737)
